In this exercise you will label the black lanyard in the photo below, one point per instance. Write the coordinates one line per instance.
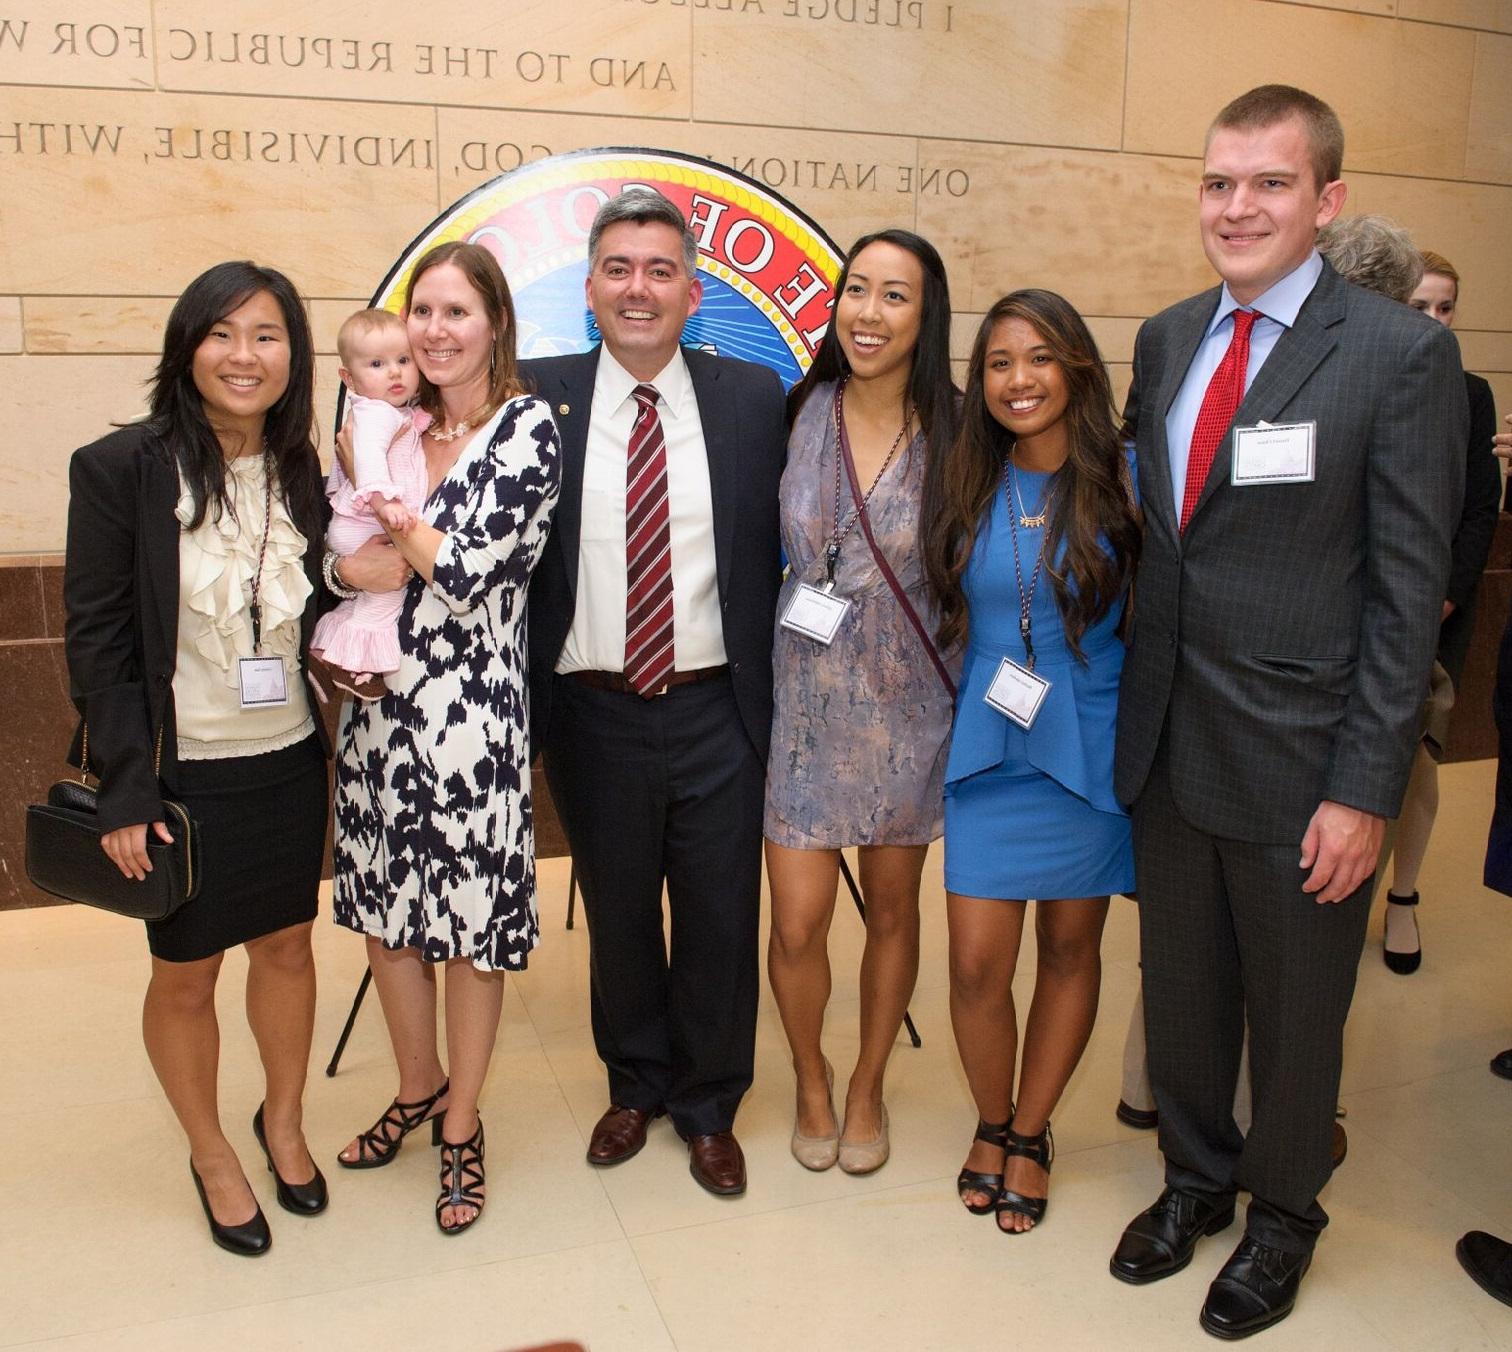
(1026, 599)
(837, 533)
(256, 607)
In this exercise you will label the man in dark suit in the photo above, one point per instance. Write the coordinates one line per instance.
(1300, 446)
(651, 619)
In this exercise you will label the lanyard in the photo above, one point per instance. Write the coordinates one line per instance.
(1026, 600)
(256, 607)
(837, 533)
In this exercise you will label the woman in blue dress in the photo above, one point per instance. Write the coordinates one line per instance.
(1031, 537)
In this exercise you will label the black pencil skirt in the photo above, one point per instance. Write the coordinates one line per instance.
(262, 822)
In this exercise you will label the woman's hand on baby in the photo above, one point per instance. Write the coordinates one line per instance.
(376, 567)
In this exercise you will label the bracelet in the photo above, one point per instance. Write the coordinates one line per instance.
(333, 581)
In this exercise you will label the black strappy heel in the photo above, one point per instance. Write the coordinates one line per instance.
(465, 1164)
(380, 1142)
(973, 1180)
(1040, 1149)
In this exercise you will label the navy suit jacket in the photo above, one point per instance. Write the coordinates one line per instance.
(740, 407)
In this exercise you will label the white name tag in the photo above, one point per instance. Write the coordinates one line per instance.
(1017, 692)
(815, 614)
(263, 682)
(1280, 453)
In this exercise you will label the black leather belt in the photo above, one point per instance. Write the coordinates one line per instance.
(615, 680)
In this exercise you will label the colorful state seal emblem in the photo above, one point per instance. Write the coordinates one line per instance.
(768, 271)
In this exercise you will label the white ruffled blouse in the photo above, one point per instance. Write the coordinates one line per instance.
(217, 564)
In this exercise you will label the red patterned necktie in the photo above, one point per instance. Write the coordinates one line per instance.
(649, 658)
(1225, 392)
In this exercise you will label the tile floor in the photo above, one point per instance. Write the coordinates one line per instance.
(102, 1245)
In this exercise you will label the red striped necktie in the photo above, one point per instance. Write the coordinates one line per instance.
(1225, 392)
(649, 656)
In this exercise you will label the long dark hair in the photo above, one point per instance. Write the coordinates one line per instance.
(931, 391)
(177, 409)
(486, 277)
(1089, 498)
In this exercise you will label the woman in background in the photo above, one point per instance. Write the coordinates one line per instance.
(1437, 295)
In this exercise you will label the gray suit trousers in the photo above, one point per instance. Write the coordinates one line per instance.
(1226, 933)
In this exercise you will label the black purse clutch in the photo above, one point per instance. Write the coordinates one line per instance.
(64, 858)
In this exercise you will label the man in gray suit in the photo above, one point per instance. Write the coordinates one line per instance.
(1300, 447)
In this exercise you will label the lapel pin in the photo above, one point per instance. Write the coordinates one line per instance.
(563, 409)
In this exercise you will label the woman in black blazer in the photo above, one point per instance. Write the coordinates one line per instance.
(1437, 295)
(194, 548)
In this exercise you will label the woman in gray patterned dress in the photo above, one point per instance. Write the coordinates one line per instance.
(858, 739)
(435, 859)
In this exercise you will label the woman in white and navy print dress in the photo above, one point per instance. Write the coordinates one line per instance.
(435, 857)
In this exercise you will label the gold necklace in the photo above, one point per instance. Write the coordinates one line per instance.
(1025, 520)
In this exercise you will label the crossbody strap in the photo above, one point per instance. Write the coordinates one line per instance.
(886, 570)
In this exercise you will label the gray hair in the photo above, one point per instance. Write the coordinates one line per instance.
(1373, 252)
(643, 205)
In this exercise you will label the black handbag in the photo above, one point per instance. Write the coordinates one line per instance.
(64, 858)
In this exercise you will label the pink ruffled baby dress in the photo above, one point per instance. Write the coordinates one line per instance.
(362, 635)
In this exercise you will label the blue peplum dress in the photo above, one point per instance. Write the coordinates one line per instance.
(1031, 815)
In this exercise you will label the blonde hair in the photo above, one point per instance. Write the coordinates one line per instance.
(364, 321)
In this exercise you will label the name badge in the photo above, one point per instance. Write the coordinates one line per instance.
(1279, 453)
(263, 682)
(1017, 693)
(815, 614)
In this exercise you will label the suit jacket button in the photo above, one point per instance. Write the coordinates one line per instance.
(161, 679)
(734, 667)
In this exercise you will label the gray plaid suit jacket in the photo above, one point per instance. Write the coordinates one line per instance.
(1282, 645)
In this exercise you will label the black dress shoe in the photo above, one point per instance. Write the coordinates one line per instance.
(1501, 1064)
(1144, 1119)
(303, 1199)
(1257, 1288)
(248, 1239)
(1489, 1261)
(1160, 1241)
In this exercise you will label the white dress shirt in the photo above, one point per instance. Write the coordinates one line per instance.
(1278, 306)
(596, 641)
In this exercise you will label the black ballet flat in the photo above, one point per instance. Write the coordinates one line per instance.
(249, 1239)
(303, 1199)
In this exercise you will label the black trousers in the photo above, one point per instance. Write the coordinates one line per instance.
(666, 791)
(1227, 933)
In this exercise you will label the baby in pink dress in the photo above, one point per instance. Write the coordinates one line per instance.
(359, 640)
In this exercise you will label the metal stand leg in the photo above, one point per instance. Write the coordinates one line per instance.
(341, 1042)
(571, 895)
(850, 882)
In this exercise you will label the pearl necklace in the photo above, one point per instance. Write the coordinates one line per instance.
(453, 434)
(472, 420)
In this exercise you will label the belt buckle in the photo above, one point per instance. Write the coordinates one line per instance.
(665, 686)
